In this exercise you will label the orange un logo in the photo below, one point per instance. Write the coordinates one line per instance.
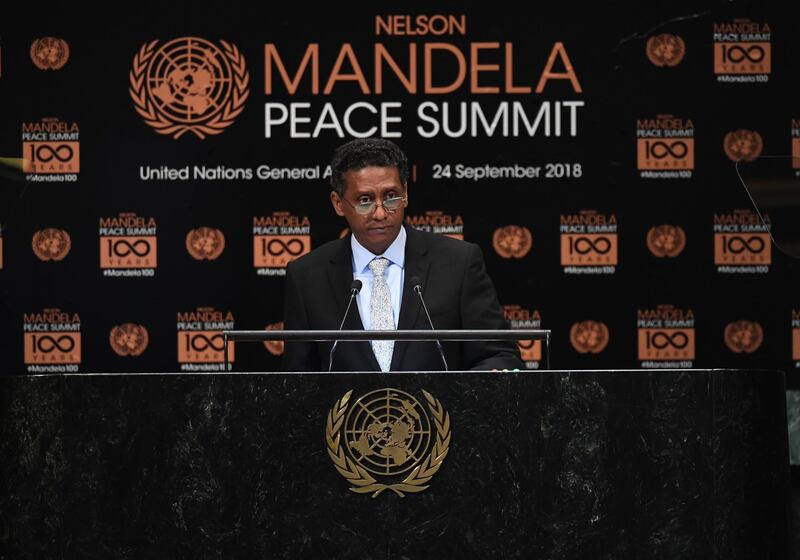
(666, 240)
(189, 85)
(51, 244)
(205, 243)
(512, 241)
(665, 49)
(743, 337)
(128, 339)
(743, 144)
(274, 347)
(589, 337)
(49, 53)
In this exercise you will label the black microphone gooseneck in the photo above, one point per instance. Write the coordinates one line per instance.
(417, 287)
(355, 287)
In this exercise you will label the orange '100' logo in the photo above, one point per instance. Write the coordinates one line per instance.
(51, 157)
(530, 350)
(53, 348)
(203, 347)
(666, 153)
(276, 251)
(742, 58)
(583, 249)
(189, 85)
(128, 252)
(666, 344)
(742, 248)
(796, 344)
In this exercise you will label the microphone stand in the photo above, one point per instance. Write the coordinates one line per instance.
(354, 289)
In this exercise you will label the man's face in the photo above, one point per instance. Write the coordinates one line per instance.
(377, 230)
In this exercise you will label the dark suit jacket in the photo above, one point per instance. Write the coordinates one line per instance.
(457, 291)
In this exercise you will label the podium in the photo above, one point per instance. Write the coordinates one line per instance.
(548, 464)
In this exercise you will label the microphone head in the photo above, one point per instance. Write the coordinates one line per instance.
(355, 287)
(416, 284)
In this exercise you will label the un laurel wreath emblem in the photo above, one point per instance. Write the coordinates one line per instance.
(189, 84)
(385, 440)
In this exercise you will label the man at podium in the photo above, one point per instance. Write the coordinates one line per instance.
(385, 261)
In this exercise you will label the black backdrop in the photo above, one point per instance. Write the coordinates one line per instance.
(620, 88)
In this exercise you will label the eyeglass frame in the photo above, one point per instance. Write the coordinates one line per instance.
(376, 204)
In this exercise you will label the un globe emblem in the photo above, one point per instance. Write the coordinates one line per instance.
(190, 77)
(189, 84)
(388, 439)
(387, 432)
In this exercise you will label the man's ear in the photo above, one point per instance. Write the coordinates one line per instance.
(336, 201)
(405, 204)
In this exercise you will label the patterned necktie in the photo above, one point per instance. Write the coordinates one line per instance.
(381, 316)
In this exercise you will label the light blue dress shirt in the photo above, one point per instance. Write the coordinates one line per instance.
(396, 254)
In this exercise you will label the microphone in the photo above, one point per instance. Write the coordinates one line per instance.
(355, 287)
(417, 287)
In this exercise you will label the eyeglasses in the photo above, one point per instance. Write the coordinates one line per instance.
(390, 205)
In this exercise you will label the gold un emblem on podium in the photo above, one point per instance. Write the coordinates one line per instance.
(386, 440)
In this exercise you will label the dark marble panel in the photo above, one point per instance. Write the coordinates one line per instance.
(608, 461)
(750, 459)
(31, 467)
(629, 464)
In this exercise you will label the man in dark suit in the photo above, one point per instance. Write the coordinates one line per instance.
(370, 190)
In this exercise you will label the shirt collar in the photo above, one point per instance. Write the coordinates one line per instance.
(396, 253)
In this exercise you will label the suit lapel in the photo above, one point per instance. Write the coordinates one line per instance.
(340, 277)
(417, 264)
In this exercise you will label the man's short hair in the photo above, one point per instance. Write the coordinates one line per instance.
(366, 152)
